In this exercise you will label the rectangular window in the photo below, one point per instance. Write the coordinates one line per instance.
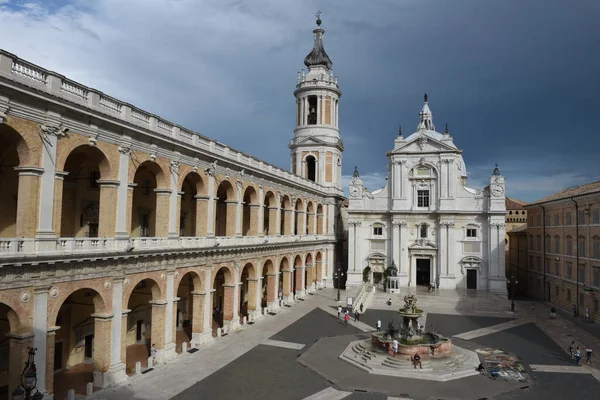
(557, 268)
(530, 262)
(581, 217)
(547, 220)
(569, 270)
(147, 187)
(556, 290)
(472, 233)
(569, 294)
(557, 244)
(423, 231)
(471, 247)
(377, 230)
(597, 277)
(538, 241)
(539, 220)
(581, 247)
(596, 249)
(596, 216)
(531, 242)
(423, 198)
(556, 219)
(569, 248)
(539, 264)
(569, 218)
(581, 273)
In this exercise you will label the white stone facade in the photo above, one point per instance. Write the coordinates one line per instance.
(426, 221)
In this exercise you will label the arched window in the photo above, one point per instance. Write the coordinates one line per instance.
(569, 245)
(581, 243)
(311, 168)
(557, 244)
(596, 246)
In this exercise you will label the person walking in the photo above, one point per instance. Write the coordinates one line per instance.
(571, 349)
(339, 311)
(356, 316)
(553, 313)
(588, 355)
(577, 355)
(346, 318)
(378, 325)
(395, 347)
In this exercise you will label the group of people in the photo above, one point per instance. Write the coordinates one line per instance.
(346, 314)
(575, 352)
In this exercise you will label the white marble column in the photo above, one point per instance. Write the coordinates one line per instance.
(261, 211)
(322, 163)
(210, 212)
(280, 215)
(207, 325)
(452, 179)
(122, 230)
(116, 372)
(331, 219)
(45, 231)
(174, 200)
(235, 322)
(238, 209)
(293, 217)
(169, 349)
(40, 329)
(443, 248)
(451, 257)
(396, 243)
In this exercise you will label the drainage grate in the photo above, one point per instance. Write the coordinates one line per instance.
(147, 370)
(272, 313)
(287, 305)
(192, 350)
(250, 323)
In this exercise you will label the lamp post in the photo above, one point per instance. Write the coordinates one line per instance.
(338, 276)
(28, 380)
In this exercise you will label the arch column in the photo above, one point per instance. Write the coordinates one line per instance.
(124, 195)
(157, 328)
(198, 313)
(301, 229)
(116, 372)
(207, 315)
(274, 227)
(211, 205)
(232, 226)
(45, 233)
(102, 349)
(299, 280)
(48, 360)
(289, 222)
(19, 355)
(108, 206)
(40, 325)
(287, 284)
(27, 201)
(319, 277)
(238, 210)
(174, 202)
(202, 203)
(261, 212)
(229, 303)
(253, 286)
(271, 290)
(58, 200)
(256, 220)
(169, 321)
(161, 221)
(310, 275)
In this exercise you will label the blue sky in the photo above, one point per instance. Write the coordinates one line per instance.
(516, 81)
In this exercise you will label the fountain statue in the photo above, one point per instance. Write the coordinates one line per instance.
(410, 335)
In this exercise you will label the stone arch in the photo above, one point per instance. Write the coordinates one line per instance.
(299, 228)
(158, 166)
(319, 266)
(12, 319)
(226, 209)
(19, 212)
(155, 288)
(23, 145)
(285, 277)
(189, 312)
(222, 296)
(320, 217)
(198, 177)
(310, 162)
(248, 280)
(286, 215)
(298, 274)
(101, 304)
(85, 203)
(193, 205)
(308, 259)
(268, 289)
(150, 205)
(270, 213)
(250, 206)
(13, 352)
(76, 145)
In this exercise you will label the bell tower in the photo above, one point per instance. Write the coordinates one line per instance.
(316, 149)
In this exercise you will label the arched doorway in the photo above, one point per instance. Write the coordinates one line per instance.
(190, 308)
(286, 215)
(268, 290)
(225, 215)
(299, 223)
(13, 350)
(285, 279)
(298, 276)
(222, 298)
(311, 168)
(378, 266)
(80, 348)
(250, 212)
(9, 181)
(146, 310)
(319, 219)
(310, 219)
(192, 217)
(84, 212)
(147, 179)
(270, 214)
(247, 290)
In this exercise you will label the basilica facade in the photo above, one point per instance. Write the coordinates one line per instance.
(120, 230)
(426, 221)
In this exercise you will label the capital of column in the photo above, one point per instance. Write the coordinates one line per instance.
(447, 224)
(29, 171)
(354, 223)
(108, 183)
(402, 224)
(124, 150)
(162, 192)
(61, 175)
(497, 225)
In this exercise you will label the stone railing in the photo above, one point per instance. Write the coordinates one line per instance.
(364, 297)
(21, 247)
(26, 73)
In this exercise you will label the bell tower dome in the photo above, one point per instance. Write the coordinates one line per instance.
(316, 149)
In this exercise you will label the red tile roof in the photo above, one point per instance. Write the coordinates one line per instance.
(588, 188)
(514, 204)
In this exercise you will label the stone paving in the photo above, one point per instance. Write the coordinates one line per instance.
(236, 366)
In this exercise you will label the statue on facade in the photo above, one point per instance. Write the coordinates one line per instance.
(392, 269)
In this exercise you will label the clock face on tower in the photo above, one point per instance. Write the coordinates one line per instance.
(497, 190)
(354, 191)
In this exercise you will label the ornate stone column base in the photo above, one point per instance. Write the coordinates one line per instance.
(115, 375)
(168, 352)
(199, 339)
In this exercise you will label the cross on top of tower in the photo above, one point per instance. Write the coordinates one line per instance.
(318, 15)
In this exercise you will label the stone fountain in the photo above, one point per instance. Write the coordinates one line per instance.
(410, 335)
(441, 361)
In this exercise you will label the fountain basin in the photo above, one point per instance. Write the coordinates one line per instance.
(409, 348)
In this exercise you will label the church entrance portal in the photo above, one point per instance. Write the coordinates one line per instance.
(471, 279)
(423, 271)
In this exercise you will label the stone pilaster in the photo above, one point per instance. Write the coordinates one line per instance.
(161, 220)
(157, 328)
(238, 209)
(123, 217)
(50, 134)
(211, 205)
(261, 212)
(40, 329)
(174, 200)
(27, 201)
(170, 316)
(102, 346)
(108, 207)
(202, 203)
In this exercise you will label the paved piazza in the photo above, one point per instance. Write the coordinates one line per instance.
(295, 355)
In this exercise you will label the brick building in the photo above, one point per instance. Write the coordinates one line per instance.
(563, 250)
(120, 229)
